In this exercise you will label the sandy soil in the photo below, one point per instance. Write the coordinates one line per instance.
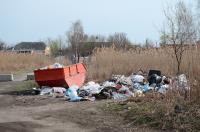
(48, 114)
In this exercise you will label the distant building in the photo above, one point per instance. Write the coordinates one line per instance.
(30, 45)
(30, 48)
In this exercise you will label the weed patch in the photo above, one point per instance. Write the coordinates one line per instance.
(26, 85)
(157, 115)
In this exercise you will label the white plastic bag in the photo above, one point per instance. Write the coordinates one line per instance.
(72, 93)
(92, 88)
(137, 78)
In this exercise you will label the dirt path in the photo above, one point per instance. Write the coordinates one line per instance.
(47, 114)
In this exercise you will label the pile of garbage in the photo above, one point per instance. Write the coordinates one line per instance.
(118, 87)
(53, 66)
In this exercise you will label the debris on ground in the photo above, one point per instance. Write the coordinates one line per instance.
(46, 90)
(183, 82)
(118, 87)
(92, 87)
(72, 94)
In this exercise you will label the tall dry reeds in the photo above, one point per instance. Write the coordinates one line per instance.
(12, 62)
(108, 61)
(178, 109)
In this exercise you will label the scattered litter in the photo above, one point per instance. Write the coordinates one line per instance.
(83, 93)
(57, 65)
(182, 82)
(54, 66)
(163, 89)
(122, 79)
(36, 91)
(72, 94)
(106, 93)
(92, 87)
(138, 93)
(119, 87)
(123, 88)
(154, 78)
(119, 96)
(60, 90)
(138, 78)
(46, 91)
(109, 84)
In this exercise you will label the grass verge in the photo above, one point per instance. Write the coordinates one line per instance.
(26, 86)
(158, 114)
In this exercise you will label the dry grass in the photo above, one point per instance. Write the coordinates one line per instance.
(171, 111)
(152, 110)
(108, 61)
(14, 63)
(158, 113)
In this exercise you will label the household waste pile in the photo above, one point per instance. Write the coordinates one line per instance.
(119, 87)
(53, 66)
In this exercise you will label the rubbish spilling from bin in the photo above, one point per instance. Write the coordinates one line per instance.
(54, 66)
(61, 76)
(118, 87)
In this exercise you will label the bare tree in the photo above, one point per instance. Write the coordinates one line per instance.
(75, 36)
(55, 46)
(92, 38)
(198, 17)
(100, 38)
(120, 40)
(149, 44)
(2, 45)
(179, 30)
(96, 38)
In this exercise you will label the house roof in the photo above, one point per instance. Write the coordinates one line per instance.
(30, 46)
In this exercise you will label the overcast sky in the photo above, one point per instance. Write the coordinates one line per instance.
(34, 20)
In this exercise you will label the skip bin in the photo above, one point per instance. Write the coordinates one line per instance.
(61, 77)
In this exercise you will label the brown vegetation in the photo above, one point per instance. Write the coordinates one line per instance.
(173, 111)
(13, 62)
(170, 113)
(167, 112)
(108, 61)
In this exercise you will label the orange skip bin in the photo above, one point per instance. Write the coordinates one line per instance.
(61, 77)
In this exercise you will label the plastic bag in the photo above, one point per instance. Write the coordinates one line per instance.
(182, 82)
(109, 84)
(60, 90)
(137, 78)
(46, 91)
(163, 89)
(92, 88)
(118, 96)
(72, 93)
